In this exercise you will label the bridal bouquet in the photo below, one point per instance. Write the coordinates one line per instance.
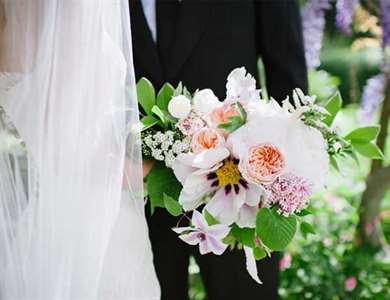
(241, 170)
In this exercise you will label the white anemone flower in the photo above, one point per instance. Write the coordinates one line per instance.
(214, 174)
(272, 145)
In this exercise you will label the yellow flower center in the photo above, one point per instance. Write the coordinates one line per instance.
(228, 174)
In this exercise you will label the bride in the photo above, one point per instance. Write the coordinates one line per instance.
(68, 230)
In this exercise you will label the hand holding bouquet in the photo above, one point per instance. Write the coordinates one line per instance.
(242, 170)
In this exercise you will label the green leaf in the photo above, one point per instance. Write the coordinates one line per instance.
(164, 96)
(187, 93)
(148, 121)
(245, 236)
(211, 220)
(369, 150)
(275, 230)
(159, 113)
(259, 253)
(243, 113)
(146, 95)
(307, 228)
(333, 107)
(363, 134)
(179, 90)
(159, 181)
(334, 163)
(172, 205)
(304, 212)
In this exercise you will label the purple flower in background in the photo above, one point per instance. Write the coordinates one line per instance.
(373, 96)
(313, 23)
(345, 13)
(385, 11)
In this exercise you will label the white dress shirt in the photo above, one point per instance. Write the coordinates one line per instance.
(149, 7)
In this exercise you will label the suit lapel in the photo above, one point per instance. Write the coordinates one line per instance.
(190, 26)
(145, 50)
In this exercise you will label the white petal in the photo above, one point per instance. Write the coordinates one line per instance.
(219, 231)
(191, 238)
(181, 170)
(253, 194)
(225, 208)
(247, 216)
(204, 247)
(251, 265)
(205, 101)
(180, 230)
(206, 159)
(199, 221)
(216, 246)
(189, 201)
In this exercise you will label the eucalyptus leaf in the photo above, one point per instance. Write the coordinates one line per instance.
(275, 230)
(146, 95)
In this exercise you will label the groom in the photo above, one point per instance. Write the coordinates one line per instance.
(199, 42)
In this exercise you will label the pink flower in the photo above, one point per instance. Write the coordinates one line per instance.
(285, 262)
(290, 192)
(222, 114)
(209, 238)
(191, 124)
(264, 163)
(350, 283)
(206, 139)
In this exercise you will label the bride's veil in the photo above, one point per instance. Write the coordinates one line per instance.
(67, 88)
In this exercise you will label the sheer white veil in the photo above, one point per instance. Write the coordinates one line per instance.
(67, 86)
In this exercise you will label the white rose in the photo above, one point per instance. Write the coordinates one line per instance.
(179, 107)
(205, 101)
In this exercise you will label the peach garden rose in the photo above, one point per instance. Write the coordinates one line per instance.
(265, 162)
(206, 139)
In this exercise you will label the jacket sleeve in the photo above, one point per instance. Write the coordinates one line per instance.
(280, 44)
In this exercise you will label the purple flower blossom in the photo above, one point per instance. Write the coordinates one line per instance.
(208, 237)
(313, 23)
(385, 11)
(290, 192)
(345, 14)
(373, 96)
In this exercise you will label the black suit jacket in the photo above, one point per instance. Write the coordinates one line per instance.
(212, 38)
(215, 36)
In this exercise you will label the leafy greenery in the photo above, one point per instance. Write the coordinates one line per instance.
(274, 230)
(160, 181)
(146, 95)
(172, 205)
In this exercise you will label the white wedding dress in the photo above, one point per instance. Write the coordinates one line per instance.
(68, 229)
